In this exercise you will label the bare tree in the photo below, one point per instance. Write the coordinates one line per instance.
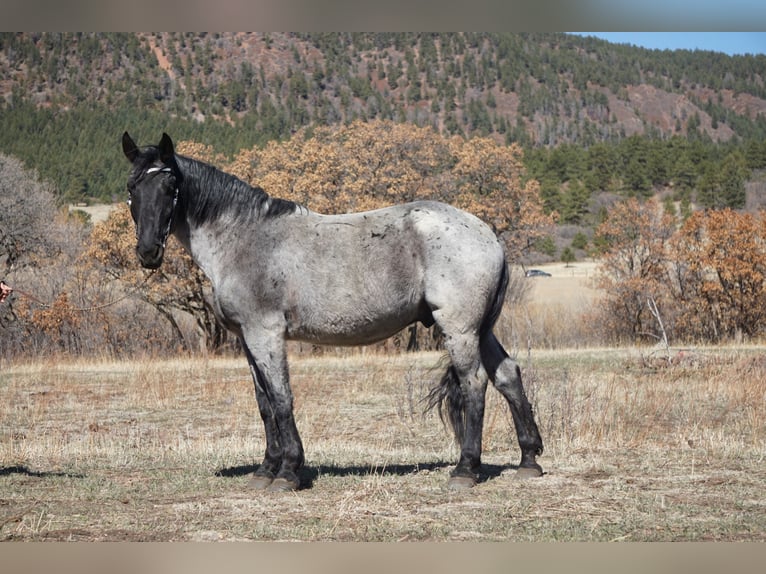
(39, 245)
(27, 209)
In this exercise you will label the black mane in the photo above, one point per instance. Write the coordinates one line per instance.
(210, 193)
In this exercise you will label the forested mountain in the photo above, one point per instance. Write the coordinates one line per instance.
(592, 116)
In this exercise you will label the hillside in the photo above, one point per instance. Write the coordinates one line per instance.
(66, 98)
(544, 88)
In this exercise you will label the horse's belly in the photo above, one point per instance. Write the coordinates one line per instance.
(350, 328)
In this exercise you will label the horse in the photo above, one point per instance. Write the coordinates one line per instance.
(280, 272)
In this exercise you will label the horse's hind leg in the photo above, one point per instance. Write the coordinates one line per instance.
(467, 379)
(506, 376)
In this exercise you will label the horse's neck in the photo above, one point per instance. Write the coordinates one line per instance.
(199, 247)
(183, 234)
(184, 231)
(202, 242)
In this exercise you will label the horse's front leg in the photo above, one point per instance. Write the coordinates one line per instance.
(272, 459)
(284, 451)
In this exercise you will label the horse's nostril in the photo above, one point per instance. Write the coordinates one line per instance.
(151, 257)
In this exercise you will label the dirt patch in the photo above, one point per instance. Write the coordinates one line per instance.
(97, 213)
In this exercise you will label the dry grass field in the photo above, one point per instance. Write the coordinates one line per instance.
(571, 285)
(637, 448)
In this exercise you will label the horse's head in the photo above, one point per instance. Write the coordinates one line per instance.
(153, 195)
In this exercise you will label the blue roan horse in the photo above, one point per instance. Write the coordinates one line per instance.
(282, 272)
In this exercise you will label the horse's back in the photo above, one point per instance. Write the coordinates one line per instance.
(456, 255)
(455, 249)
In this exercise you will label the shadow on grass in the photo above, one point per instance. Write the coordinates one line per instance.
(308, 474)
(18, 469)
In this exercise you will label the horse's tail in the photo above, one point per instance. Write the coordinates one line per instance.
(447, 396)
(496, 307)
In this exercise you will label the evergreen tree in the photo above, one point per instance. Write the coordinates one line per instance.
(568, 256)
(574, 203)
(733, 175)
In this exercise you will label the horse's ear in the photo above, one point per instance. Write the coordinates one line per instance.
(129, 147)
(167, 153)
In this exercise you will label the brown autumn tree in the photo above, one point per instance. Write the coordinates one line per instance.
(718, 278)
(350, 168)
(633, 269)
(367, 165)
(704, 281)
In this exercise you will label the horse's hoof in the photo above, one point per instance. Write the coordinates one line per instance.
(260, 482)
(525, 472)
(283, 485)
(461, 482)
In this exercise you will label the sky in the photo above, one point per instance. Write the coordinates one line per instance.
(732, 43)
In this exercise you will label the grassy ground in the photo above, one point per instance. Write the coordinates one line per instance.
(637, 448)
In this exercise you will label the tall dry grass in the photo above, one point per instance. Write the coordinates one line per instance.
(636, 449)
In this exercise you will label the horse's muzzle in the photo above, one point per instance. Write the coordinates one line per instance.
(150, 258)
